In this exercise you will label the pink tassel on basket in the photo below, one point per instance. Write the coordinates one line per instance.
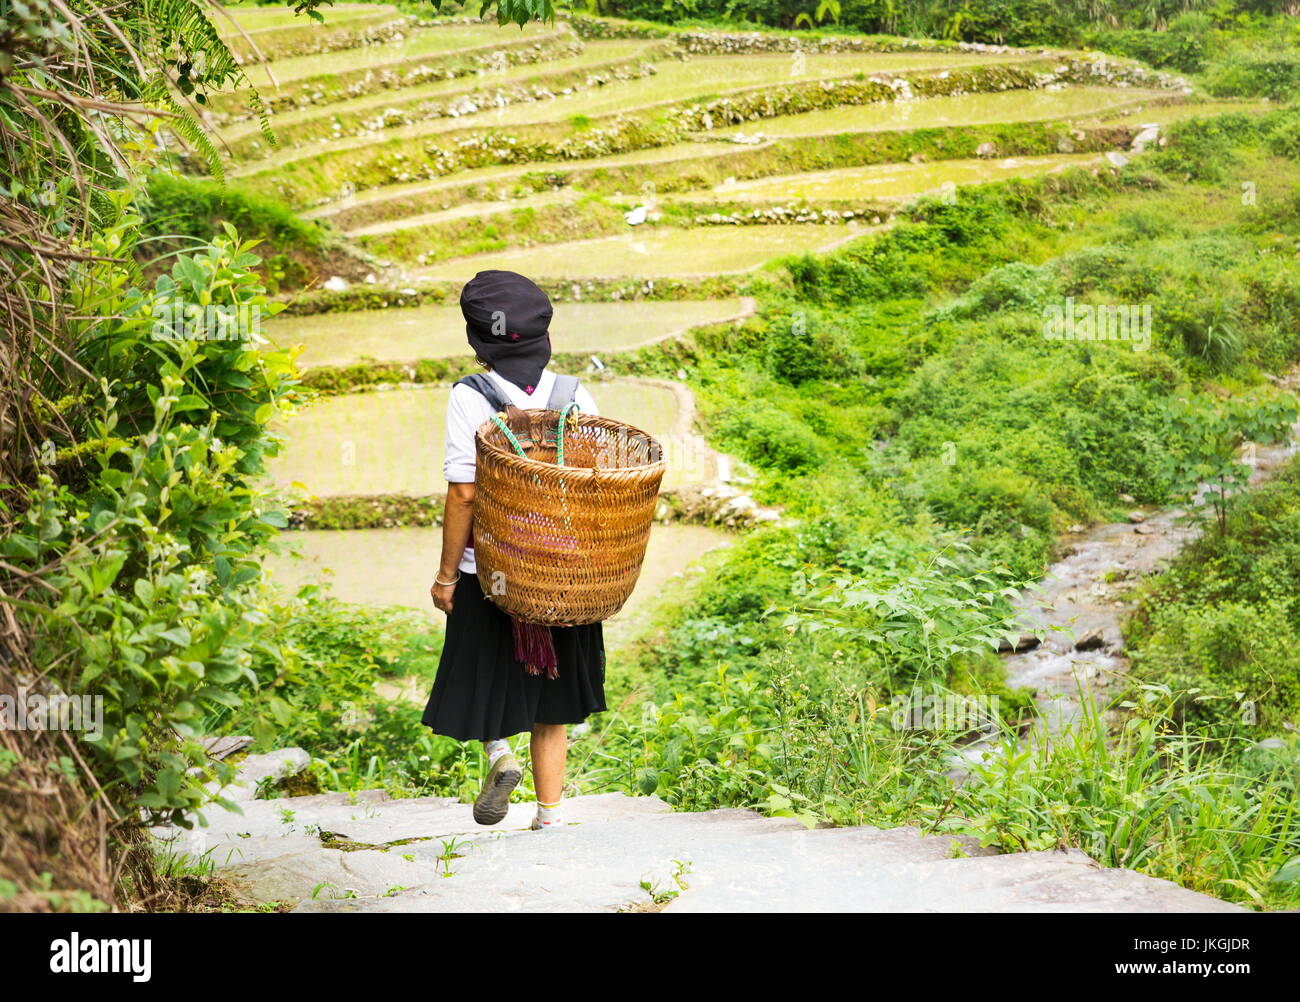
(535, 649)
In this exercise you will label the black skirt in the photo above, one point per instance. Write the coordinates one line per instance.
(481, 692)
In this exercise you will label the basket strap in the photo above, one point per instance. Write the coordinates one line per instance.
(510, 435)
(565, 391)
(559, 432)
(482, 383)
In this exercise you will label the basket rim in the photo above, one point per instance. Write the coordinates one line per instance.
(505, 454)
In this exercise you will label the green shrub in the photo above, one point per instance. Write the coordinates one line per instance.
(151, 544)
(1247, 74)
(1232, 667)
(1015, 286)
(339, 652)
(1206, 327)
(195, 209)
(1095, 267)
(765, 438)
(797, 354)
(1203, 149)
(1148, 798)
(990, 500)
(1284, 139)
(1183, 47)
(1219, 627)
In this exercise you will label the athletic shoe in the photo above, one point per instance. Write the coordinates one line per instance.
(494, 799)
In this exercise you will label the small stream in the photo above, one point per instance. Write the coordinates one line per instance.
(1081, 605)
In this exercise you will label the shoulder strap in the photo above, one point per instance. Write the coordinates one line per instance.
(563, 392)
(484, 385)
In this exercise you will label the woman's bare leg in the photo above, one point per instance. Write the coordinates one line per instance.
(550, 748)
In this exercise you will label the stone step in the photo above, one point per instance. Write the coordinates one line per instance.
(581, 867)
(609, 844)
(267, 829)
(367, 853)
(610, 850)
(837, 881)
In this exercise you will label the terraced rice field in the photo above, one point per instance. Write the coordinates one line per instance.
(654, 253)
(253, 19)
(344, 113)
(703, 77)
(595, 54)
(393, 567)
(1164, 114)
(501, 181)
(424, 42)
(897, 181)
(466, 210)
(405, 335)
(962, 109)
(695, 79)
(392, 442)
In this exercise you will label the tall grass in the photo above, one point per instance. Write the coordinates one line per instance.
(1212, 817)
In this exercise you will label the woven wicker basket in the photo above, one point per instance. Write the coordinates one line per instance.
(563, 545)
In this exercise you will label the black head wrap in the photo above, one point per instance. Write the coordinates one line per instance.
(508, 321)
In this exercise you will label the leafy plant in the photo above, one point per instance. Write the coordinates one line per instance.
(142, 563)
(827, 10)
(518, 12)
(921, 620)
(1212, 432)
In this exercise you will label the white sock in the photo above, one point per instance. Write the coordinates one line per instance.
(494, 749)
(548, 814)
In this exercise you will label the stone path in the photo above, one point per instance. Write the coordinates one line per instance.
(366, 853)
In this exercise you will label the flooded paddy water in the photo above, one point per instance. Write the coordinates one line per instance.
(392, 442)
(395, 567)
(664, 253)
(413, 45)
(403, 335)
(960, 109)
(1165, 114)
(897, 181)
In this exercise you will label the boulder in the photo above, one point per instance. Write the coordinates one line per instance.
(258, 769)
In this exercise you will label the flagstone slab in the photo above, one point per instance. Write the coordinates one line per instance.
(615, 852)
(1049, 881)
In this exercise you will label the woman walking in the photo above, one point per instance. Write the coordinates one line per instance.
(483, 691)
